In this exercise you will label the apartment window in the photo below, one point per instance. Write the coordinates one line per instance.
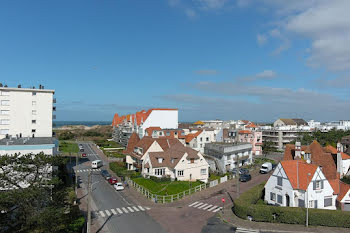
(33, 130)
(4, 122)
(160, 133)
(203, 171)
(311, 204)
(33, 112)
(5, 112)
(167, 133)
(5, 102)
(33, 93)
(147, 170)
(317, 185)
(5, 93)
(180, 173)
(192, 160)
(159, 171)
(201, 139)
(272, 196)
(33, 103)
(207, 139)
(328, 201)
(279, 199)
(175, 133)
(279, 181)
(33, 121)
(4, 131)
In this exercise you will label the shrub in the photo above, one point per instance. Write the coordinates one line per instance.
(66, 136)
(249, 204)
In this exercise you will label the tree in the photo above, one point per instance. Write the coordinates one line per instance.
(268, 147)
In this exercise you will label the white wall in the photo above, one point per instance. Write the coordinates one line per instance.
(192, 170)
(165, 119)
(20, 111)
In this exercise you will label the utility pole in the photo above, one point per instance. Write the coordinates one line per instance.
(237, 173)
(89, 204)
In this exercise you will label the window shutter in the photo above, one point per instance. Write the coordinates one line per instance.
(314, 184)
(322, 184)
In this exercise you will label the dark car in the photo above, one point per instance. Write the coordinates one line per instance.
(105, 174)
(113, 180)
(245, 177)
(243, 171)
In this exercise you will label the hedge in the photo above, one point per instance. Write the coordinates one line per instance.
(246, 205)
(120, 170)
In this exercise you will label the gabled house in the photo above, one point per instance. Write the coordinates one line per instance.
(252, 137)
(296, 183)
(177, 162)
(157, 132)
(197, 140)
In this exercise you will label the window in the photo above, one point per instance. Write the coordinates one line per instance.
(33, 93)
(311, 204)
(33, 130)
(207, 139)
(180, 173)
(192, 160)
(167, 133)
(160, 133)
(279, 199)
(33, 103)
(203, 171)
(4, 131)
(272, 196)
(5, 102)
(5, 112)
(160, 160)
(175, 133)
(147, 170)
(33, 112)
(279, 181)
(201, 139)
(317, 185)
(4, 122)
(200, 145)
(159, 171)
(328, 201)
(33, 121)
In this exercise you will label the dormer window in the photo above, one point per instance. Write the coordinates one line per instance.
(307, 156)
(175, 133)
(172, 160)
(167, 133)
(160, 133)
(192, 160)
(160, 160)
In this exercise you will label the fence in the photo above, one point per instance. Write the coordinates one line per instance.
(175, 197)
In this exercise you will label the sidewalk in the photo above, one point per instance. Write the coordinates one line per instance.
(229, 217)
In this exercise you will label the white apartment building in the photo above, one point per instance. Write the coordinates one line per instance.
(26, 112)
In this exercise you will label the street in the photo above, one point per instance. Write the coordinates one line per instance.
(111, 210)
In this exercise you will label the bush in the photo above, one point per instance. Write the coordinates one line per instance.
(249, 204)
(119, 168)
(77, 225)
(92, 133)
(66, 136)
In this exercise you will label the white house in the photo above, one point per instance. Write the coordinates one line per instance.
(177, 162)
(296, 183)
(26, 112)
(125, 125)
(198, 138)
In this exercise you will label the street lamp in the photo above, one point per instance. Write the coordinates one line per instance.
(307, 198)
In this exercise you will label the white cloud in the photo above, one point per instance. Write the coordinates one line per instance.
(266, 74)
(261, 39)
(190, 13)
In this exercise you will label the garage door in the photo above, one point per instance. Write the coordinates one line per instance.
(347, 207)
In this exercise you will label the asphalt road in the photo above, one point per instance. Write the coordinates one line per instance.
(105, 197)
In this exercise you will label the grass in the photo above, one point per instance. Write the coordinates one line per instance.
(166, 187)
(108, 144)
(67, 147)
(113, 153)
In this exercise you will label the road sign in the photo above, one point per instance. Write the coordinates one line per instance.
(223, 199)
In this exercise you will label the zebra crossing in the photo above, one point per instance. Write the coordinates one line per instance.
(205, 206)
(244, 230)
(120, 211)
(87, 170)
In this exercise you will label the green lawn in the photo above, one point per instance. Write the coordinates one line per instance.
(113, 153)
(67, 147)
(166, 187)
(108, 144)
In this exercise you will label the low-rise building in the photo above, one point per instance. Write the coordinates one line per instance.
(252, 137)
(29, 145)
(197, 139)
(227, 156)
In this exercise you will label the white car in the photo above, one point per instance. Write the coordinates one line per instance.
(119, 186)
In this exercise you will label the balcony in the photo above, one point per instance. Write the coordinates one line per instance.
(53, 117)
(54, 100)
(54, 108)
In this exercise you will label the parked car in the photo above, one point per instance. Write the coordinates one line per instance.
(243, 171)
(83, 155)
(266, 167)
(245, 177)
(105, 174)
(119, 186)
(112, 180)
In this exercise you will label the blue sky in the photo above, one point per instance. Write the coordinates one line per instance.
(212, 59)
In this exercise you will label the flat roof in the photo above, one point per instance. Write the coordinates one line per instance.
(26, 89)
(27, 141)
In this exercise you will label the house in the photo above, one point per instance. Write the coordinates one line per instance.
(138, 149)
(198, 139)
(177, 162)
(345, 141)
(124, 126)
(252, 137)
(343, 191)
(289, 122)
(296, 183)
(224, 157)
(157, 132)
(227, 135)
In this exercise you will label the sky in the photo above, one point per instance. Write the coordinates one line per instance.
(212, 59)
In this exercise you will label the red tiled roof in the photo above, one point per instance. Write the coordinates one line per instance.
(298, 170)
(190, 137)
(333, 150)
(245, 121)
(344, 188)
(251, 125)
(335, 185)
(133, 140)
(245, 132)
(150, 130)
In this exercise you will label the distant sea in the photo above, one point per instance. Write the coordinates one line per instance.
(57, 124)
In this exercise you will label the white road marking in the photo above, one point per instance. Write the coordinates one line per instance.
(131, 210)
(135, 208)
(243, 230)
(214, 211)
(141, 208)
(212, 208)
(102, 214)
(119, 211)
(147, 208)
(108, 213)
(193, 203)
(113, 211)
(207, 207)
(125, 210)
(196, 205)
(200, 207)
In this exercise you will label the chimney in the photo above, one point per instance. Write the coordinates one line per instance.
(297, 150)
(42, 87)
(19, 86)
(339, 160)
(5, 86)
(0, 84)
(339, 147)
